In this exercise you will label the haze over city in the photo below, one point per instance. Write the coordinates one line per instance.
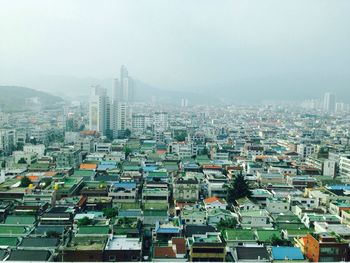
(283, 49)
(175, 131)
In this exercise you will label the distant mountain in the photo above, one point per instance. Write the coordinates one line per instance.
(75, 88)
(15, 98)
(291, 87)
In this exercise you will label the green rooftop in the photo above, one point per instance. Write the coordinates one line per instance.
(238, 234)
(20, 220)
(8, 230)
(93, 230)
(8, 241)
(266, 235)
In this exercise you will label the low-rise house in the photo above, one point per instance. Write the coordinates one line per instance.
(214, 202)
(93, 231)
(336, 208)
(252, 219)
(166, 231)
(261, 195)
(39, 243)
(56, 218)
(175, 251)
(9, 242)
(309, 219)
(190, 230)
(84, 249)
(98, 203)
(306, 202)
(215, 215)
(93, 188)
(250, 254)
(129, 226)
(155, 194)
(208, 247)
(30, 255)
(123, 192)
(287, 254)
(215, 182)
(340, 230)
(301, 182)
(270, 178)
(193, 216)
(265, 236)
(20, 220)
(325, 247)
(186, 189)
(150, 217)
(254, 168)
(14, 230)
(239, 237)
(123, 248)
(245, 204)
(277, 205)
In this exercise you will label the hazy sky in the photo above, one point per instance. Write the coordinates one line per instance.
(178, 43)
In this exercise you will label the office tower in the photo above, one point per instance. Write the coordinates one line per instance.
(99, 110)
(329, 102)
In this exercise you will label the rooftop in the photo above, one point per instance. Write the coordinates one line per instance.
(123, 243)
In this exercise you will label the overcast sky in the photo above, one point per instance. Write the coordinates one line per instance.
(180, 43)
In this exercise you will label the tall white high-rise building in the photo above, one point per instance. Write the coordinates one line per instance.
(99, 110)
(184, 102)
(329, 102)
(122, 95)
(117, 91)
(118, 118)
(124, 83)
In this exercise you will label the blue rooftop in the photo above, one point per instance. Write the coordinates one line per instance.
(150, 168)
(168, 230)
(104, 167)
(129, 213)
(290, 253)
(339, 187)
(108, 163)
(125, 185)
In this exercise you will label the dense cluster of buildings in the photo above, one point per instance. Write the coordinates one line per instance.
(117, 180)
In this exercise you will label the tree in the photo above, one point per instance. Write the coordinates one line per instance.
(205, 151)
(33, 140)
(22, 161)
(181, 136)
(127, 151)
(237, 189)
(25, 181)
(278, 241)
(84, 221)
(127, 133)
(110, 212)
(227, 223)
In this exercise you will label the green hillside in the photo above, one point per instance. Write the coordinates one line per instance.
(13, 98)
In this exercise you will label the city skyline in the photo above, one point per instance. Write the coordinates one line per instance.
(175, 131)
